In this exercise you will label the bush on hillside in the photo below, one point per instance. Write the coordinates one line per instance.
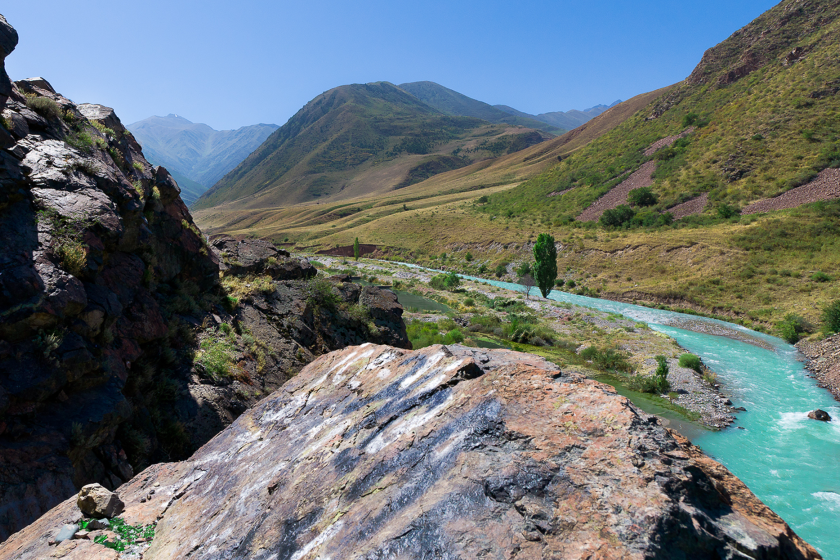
(831, 317)
(643, 196)
(792, 327)
(44, 106)
(448, 281)
(617, 217)
(690, 361)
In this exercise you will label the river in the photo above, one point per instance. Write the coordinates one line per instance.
(788, 460)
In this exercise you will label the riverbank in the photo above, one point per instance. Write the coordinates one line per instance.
(824, 362)
(696, 396)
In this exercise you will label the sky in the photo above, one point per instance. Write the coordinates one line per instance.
(231, 64)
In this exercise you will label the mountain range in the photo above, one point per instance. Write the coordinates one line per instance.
(567, 120)
(196, 154)
(362, 139)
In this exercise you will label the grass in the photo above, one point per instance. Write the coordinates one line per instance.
(44, 106)
(216, 356)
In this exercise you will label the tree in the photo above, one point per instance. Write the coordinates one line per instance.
(643, 196)
(618, 216)
(356, 249)
(831, 317)
(545, 265)
(528, 281)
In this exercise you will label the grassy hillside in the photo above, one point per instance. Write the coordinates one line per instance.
(765, 106)
(450, 102)
(360, 139)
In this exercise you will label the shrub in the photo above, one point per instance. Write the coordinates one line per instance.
(608, 359)
(501, 270)
(82, 141)
(820, 277)
(690, 361)
(44, 106)
(690, 119)
(792, 327)
(523, 269)
(216, 357)
(831, 317)
(726, 211)
(468, 256)
(643, 196)
(571, 284)
(483, 199)
(560, 282)
(137, 165)
(482, 269)
(617, 217)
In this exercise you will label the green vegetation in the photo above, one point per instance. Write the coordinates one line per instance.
(127, 535)
(831, 317)
(449, 281)
(657, 383)
(356, 250)
(607, 359)
(216, 356)
(82, 141)
(422, 334)
(545, 263)
(792, 327)
(643, 196)
(44, 106)
(690, 361)
(67, 242)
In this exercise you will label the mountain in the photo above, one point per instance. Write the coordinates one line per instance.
(568, 120)
(195, 151)
(361, 139)
(451, 102)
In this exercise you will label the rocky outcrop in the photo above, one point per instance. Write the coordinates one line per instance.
(450, 452)
(824, 361)
(119, 347)
(820, 415)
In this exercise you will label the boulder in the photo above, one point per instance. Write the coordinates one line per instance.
(820, 415)
(259, 256)
(37, 82)
(99, 502)
(445, 452)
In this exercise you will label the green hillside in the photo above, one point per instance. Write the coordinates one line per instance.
(764, 105)
(451, 102)
(361, 139)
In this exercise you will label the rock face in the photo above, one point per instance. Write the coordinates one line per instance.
(118, 345)
(449, 452)
(824, 361)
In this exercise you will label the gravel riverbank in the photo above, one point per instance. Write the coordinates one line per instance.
(824, 362)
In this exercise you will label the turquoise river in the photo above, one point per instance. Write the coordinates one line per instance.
(790, 462)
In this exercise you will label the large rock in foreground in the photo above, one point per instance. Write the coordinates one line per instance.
(448, 452)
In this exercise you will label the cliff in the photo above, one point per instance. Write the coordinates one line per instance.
(450, 452)
(120, 346)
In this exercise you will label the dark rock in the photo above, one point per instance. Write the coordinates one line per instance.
(429, 452)
(37, 82)
(820, 415)
(258, 256)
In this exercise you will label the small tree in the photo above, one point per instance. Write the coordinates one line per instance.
(643, 196)
(831, 317)
(356, 249)
(661, 375)
(528, 282)
(545, 265)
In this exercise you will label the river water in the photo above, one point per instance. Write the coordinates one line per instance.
(792, 463)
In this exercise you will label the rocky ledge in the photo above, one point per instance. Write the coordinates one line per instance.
(447, 452)
(824, 362)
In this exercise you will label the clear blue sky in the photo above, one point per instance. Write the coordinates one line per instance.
(230, 64)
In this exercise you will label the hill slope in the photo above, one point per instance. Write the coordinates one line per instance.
(759, 112)
(196, 151)
(357, 140)
(451, 102)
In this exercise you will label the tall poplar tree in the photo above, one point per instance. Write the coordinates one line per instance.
(545, 267)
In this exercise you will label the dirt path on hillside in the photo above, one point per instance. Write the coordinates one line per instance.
(667, 141)
(690, 207)
(618, 195)
(826, 186)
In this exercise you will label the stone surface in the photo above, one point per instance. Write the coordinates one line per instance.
(99, 502)
(824, 361)
(258, 256)
(820, 415)
(446, 452)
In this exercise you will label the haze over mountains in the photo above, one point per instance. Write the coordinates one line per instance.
(567, 120)
(196, 154)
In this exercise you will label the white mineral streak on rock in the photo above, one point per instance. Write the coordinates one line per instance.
(393, 433)
(430, 363)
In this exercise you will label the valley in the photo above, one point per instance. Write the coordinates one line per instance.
(409, 323)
